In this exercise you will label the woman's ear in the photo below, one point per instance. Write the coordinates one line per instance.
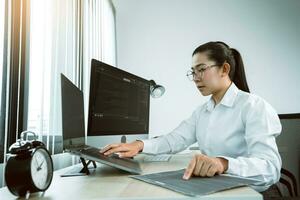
(225, 69)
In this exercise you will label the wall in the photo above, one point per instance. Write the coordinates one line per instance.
(155, 39)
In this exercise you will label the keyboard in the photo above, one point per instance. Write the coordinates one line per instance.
(158, 158)
(127, 164)
(95, 152)
(92, 151)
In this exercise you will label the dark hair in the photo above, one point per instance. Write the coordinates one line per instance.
(220, 52)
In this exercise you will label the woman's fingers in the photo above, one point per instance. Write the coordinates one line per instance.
(120, 148)
(123, 149)
(107, 147)
(127, 154)
(205, 167)
(211, 171)
(202, 165)
(190, 169)
(199, 164)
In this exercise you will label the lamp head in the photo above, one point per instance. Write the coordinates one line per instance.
(156, 91)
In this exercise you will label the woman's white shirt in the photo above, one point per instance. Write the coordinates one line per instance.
(241, 128)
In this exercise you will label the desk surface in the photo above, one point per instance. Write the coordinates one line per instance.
(109, 183)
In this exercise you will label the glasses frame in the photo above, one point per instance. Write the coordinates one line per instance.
(191, 74)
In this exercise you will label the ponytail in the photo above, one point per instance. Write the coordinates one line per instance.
(220, 52)
(239, 76)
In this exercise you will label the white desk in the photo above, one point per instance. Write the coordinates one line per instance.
(109, 183)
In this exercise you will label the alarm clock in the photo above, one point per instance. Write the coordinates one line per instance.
(29, 167)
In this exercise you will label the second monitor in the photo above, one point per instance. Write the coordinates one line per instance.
(118, 105)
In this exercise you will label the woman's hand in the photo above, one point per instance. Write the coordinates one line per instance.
(202, 165)
(124, 149)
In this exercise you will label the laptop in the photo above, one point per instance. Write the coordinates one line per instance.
(73, 131)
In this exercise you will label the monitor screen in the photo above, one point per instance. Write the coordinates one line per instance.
(72, 114)
(118, 103)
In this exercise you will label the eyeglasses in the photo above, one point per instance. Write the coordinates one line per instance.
(198, 72)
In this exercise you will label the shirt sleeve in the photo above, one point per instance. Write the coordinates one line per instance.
(179, 139)
(263, 163)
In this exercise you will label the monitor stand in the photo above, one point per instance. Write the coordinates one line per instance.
(75, 171)
(123, 139)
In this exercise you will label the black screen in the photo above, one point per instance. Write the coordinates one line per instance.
(119, 102)
(72, 113)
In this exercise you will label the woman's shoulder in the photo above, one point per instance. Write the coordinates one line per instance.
(255, 103)
(255, 109)
(250, 99)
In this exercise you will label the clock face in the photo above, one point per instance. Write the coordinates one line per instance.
(41, 169)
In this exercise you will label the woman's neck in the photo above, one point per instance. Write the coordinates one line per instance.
(217, 97)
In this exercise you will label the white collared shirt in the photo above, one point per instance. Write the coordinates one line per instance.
(241, 128)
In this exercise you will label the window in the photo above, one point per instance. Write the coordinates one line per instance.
(2, 81)
(64, 36)
(12, 65)
(53, 50)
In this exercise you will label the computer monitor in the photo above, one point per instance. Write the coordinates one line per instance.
(72, 114)
(118, 106)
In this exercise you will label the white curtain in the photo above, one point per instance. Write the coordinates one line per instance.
(99, 39)
(65, 35)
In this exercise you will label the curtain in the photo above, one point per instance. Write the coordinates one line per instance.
(64, 36)
(2, 81)
(99, 39)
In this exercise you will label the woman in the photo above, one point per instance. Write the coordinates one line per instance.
(235, 130)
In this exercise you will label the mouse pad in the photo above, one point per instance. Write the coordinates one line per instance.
(195, 186)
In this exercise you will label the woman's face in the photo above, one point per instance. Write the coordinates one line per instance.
(208, 76)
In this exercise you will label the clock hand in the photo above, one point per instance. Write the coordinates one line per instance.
(36, 162)
(39, 168)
